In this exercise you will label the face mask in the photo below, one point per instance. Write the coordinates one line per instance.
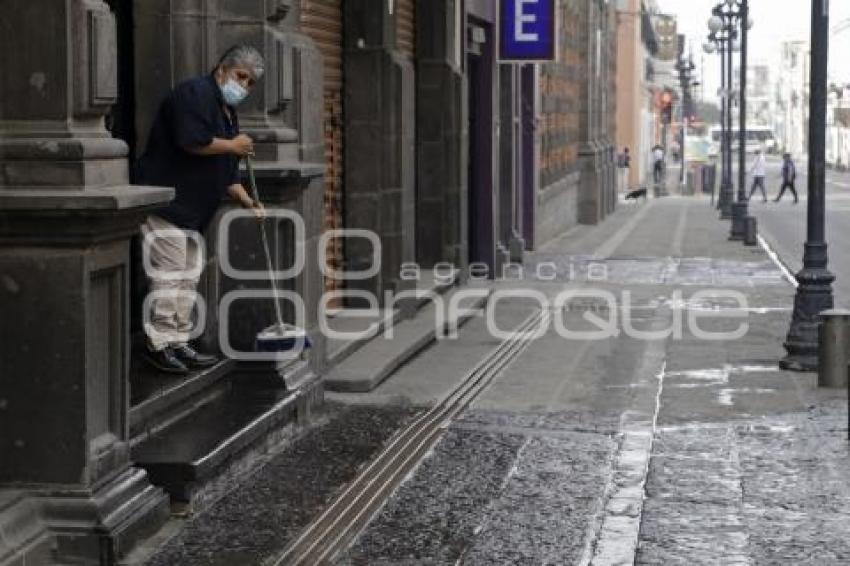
(233, 92)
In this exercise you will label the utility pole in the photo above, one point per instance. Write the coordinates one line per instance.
(814, 293)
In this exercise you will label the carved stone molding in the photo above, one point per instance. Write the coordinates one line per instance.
(95, 59)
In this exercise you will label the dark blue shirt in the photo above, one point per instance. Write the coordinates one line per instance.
(190, 117)
(789, 172)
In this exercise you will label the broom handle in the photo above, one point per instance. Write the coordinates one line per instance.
(256, 196)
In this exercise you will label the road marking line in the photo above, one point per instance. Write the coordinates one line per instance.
(608, 247)
(776, 259)
(679, 234)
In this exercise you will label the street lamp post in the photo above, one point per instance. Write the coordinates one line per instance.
(814, 293)
(685, 67)
(722, 26)
(740, 209)
(717, 42)
(731, 38)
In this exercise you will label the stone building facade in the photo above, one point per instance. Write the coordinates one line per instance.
(636, 126)
(577, 121)
(393, 118)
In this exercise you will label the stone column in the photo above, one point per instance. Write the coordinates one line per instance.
(510, 163)
(379, 149)
(67, 213)
(598, 186)
(609, 70)
(589, 205)
(441, 135)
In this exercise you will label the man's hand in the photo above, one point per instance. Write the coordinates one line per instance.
(258, 209)
(238, 193)
(242, 145)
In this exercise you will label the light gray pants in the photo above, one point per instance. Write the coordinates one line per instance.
(173, 270)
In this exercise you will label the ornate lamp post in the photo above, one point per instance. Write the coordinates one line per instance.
(724, 24)
(717, 41)
(734, 18)
(814, 293)
(740, 210)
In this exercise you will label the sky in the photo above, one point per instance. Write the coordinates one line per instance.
(774, 21)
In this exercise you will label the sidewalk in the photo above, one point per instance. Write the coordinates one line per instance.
(647, 451)
(628, 449)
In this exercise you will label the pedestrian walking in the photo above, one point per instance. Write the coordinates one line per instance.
(789, 176)
(194, 146)
(759, 170)
(658, 164)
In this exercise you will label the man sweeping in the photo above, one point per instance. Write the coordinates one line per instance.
(195, 147)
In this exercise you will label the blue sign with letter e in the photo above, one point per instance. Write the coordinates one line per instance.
(528, 30)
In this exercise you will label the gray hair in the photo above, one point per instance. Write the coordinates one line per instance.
(243, 56)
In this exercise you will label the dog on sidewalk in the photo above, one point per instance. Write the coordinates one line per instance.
(636, 194)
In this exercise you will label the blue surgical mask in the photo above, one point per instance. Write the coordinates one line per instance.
(233, 92)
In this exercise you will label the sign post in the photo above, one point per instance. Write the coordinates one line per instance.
(528, 31)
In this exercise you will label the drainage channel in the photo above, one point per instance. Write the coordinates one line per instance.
(337, 527)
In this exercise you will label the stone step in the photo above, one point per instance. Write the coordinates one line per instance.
(24, 538)
(366, 368)
(196, 457)
(158, 398)
(340, 350)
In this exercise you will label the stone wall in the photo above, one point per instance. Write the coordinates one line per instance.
(577, 122)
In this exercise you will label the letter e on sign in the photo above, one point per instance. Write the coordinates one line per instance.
(528, 31)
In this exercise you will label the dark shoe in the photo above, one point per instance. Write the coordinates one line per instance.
(194, 359)
(165, 361)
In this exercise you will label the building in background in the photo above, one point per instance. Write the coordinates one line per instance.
(838, 127)
(760, 96)
(665, 79)
(637, 123)
(791, 118)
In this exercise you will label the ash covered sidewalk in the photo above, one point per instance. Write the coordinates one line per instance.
(638, 449)
(635, 448)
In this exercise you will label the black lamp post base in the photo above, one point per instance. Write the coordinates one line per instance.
(814, 296)
(739, 221)
(725, 201)
(802, 347)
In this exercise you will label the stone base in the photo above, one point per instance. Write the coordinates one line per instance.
(814, 296)
(99, 526)
(24, 538)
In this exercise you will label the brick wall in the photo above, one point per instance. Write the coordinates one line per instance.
(560, 92)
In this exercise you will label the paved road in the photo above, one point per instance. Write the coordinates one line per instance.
(784, 224)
